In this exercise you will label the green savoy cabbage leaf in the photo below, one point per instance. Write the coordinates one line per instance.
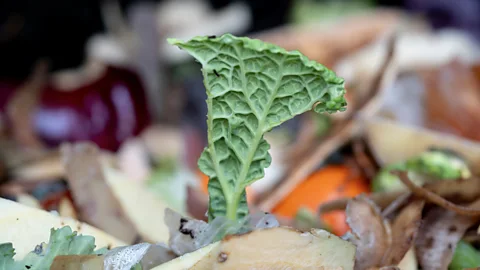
(252, 87)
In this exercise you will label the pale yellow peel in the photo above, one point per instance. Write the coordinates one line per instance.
(142, 207)
(26, 227)
(276, 248)
(409, 261)
(188, 260)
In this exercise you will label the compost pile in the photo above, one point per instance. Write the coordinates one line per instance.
(392, 182)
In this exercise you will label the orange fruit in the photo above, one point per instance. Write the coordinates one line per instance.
(329, 183)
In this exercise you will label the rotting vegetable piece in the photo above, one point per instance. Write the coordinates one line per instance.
(95, 200)
(430, 165)
(252, 87)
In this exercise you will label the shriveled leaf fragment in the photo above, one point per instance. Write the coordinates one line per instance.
(404, 231)
(438, 237)
(252, 87)
(96, 203)
(370, 232)
(6, 257)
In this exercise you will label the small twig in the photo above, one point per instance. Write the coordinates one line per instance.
(367, 165)
(397, 204)
(434, 198)
(381, 199)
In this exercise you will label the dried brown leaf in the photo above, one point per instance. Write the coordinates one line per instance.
(451, 91)
(372, 235)
(95, 201)
(404, 231)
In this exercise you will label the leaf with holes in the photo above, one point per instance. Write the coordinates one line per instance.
(252, 86)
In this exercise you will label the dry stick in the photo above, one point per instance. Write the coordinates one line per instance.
(381, 199)
(350, 129)
(434, 198)
(397, 204)
(363, 159)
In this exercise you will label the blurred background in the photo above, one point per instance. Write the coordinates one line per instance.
(102, 71)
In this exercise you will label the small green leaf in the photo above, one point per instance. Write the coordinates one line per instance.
(62, 241)
(252, 87)
(6, 257)
(465, 256)
(433, 164)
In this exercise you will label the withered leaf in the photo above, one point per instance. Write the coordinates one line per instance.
(438, 237)
(404, 231)
(95, 201)
(451, 91)
(372, 235)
